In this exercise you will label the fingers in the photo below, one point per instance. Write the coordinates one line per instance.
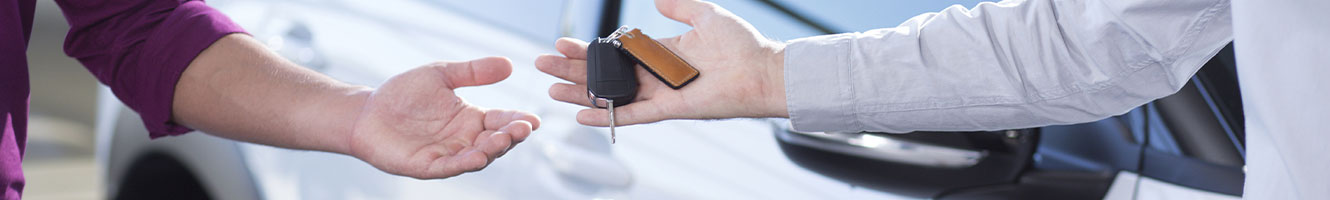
(685, 11)
(445, 167)
(487, 147)
(569, 93)
(571, 66)
(517, 128)
(637, 113)
(495, 143)
(476, 72)
(497, 119)
(571, 70)
(572, 48)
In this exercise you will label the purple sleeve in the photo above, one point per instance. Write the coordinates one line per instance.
(140, 47)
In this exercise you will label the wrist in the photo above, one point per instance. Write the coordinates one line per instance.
(774, 85)
(335, 120)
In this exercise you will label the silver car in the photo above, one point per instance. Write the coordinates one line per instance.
(365, 42)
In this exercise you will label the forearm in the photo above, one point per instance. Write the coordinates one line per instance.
(238, 89)
(1012, 64)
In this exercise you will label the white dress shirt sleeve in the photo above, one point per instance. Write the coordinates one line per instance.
(1011, 64)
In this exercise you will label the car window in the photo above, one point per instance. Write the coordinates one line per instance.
(769, 18)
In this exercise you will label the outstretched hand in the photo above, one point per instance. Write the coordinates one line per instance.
(414, 125)
(741, 72)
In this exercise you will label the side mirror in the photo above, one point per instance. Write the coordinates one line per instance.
(885, 148)
(922, 164)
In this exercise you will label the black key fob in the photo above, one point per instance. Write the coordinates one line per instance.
(611, 73)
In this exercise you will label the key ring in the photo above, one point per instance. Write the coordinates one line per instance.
(622, 31)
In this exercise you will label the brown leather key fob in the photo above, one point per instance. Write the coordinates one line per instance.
(655, 58)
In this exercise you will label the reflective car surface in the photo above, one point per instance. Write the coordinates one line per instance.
(365, 42)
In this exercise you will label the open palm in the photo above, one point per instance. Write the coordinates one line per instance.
(414, 125)
(734, 60)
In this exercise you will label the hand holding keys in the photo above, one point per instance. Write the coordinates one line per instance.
(611, 77)
(745, 71)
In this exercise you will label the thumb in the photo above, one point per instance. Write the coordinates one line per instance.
(685, 11)
(484, 71)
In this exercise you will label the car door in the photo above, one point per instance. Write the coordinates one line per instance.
(367, 41)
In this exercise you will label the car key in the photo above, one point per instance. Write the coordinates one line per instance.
(611, 76)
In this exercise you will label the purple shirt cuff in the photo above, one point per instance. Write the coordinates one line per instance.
(180, 38)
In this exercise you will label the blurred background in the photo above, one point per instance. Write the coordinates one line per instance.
(84, 144)
(364, 42)
(59, 158)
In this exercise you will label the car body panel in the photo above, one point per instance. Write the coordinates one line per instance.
(668, 160)
(366, 42)
(1132, 186)
(123, 141)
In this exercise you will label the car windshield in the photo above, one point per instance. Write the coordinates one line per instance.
(780, 19)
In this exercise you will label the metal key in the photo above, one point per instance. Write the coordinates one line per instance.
(611, 75)
(613, 137)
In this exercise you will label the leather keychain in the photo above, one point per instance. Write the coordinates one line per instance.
(655, 58)
(611, 77)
